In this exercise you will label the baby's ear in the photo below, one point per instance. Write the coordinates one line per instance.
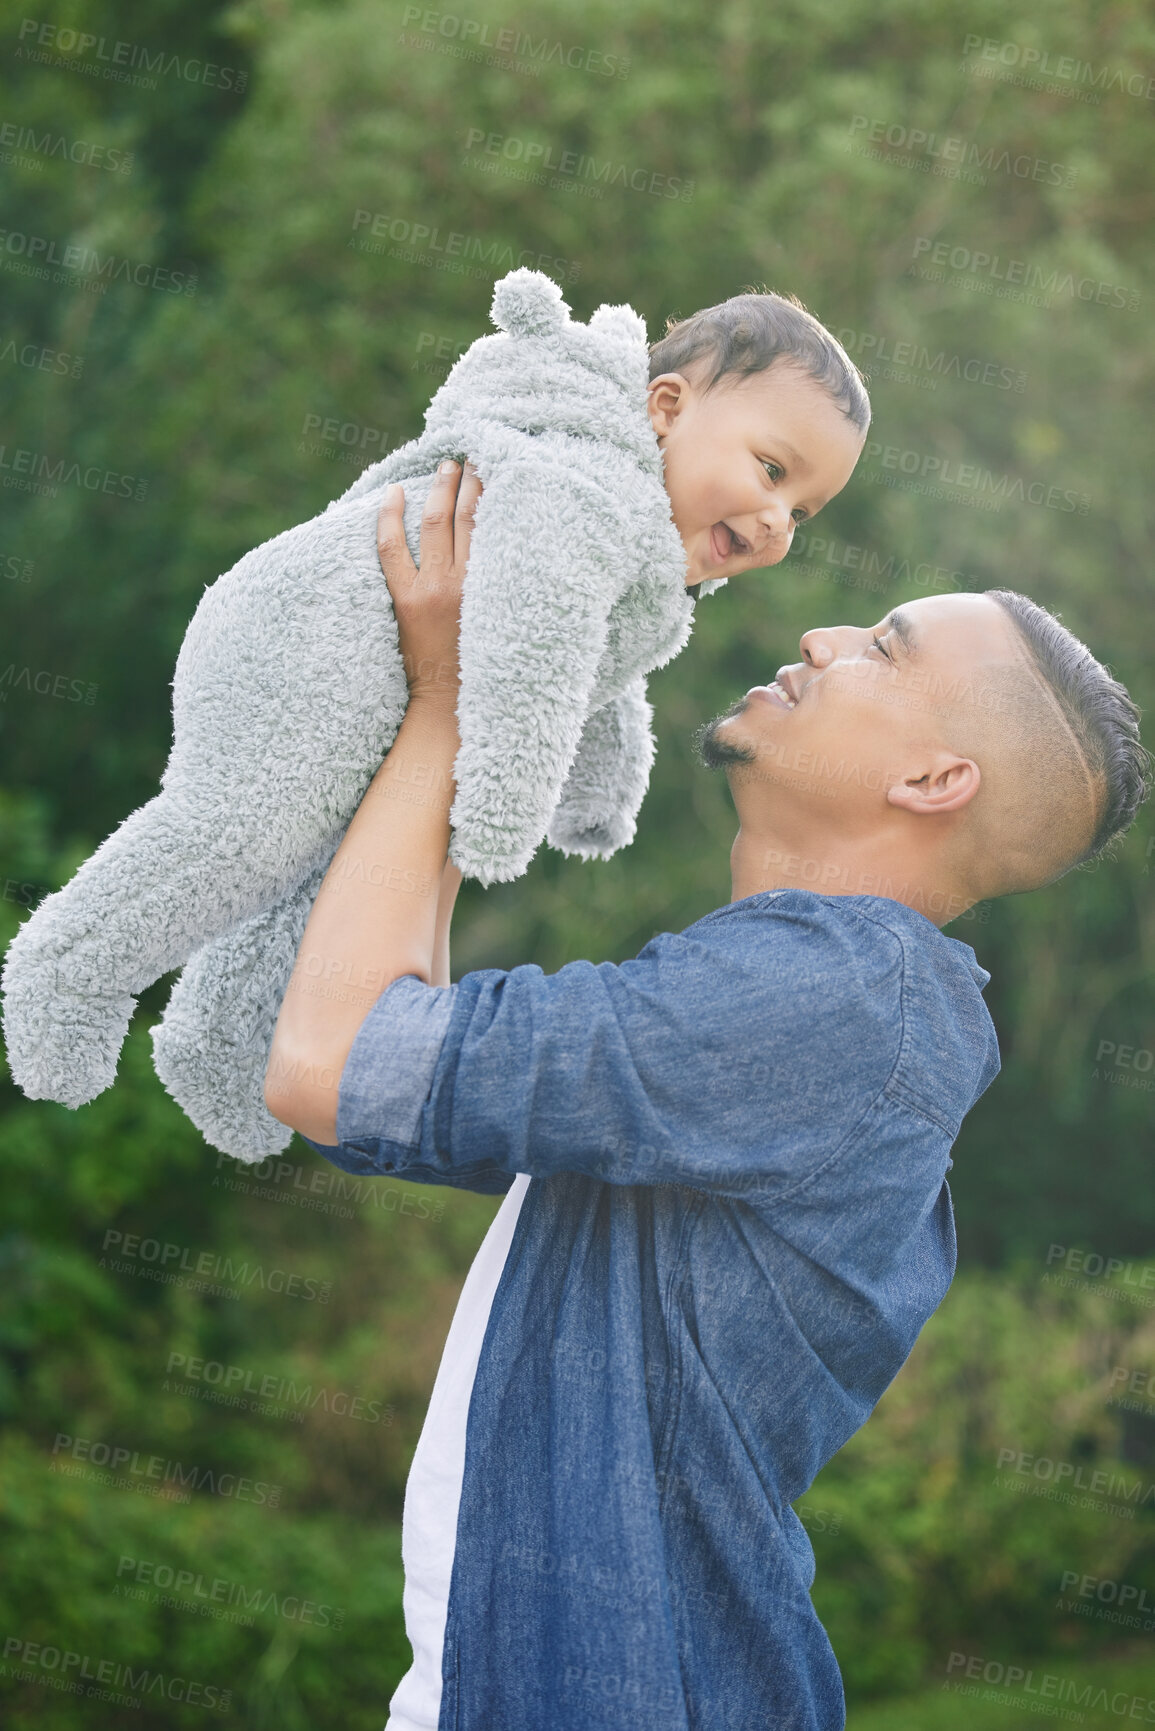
(527, 303)
(620, 322)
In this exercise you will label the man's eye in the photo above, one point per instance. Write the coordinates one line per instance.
(774, 470)
(877, 641)
(800, 513)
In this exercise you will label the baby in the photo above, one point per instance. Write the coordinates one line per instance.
(760, 417)
(615, 478)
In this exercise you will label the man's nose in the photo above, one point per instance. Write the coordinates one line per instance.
(821, 646)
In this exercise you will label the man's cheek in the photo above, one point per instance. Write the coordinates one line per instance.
(850, 680)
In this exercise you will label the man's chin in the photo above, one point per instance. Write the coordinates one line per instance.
(717, 752)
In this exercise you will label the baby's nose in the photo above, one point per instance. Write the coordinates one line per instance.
(776, 518)
(778, 532)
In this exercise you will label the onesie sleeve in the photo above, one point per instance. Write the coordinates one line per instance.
(530, 648)
(598, 809)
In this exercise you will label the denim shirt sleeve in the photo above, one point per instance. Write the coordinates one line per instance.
(384, 1099)
(386, 1080)
(733, 1066)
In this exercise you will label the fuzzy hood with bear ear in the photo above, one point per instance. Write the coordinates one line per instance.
(576, 583)
(544, 372)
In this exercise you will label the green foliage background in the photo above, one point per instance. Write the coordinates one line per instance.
(208, 396)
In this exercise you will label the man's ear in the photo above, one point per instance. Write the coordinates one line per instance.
(947, 784)
(666, 397)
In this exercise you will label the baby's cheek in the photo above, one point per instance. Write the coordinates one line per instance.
(684, 505)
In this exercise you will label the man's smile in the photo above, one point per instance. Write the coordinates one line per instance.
(780, 690)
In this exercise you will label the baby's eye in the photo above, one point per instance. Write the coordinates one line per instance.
(774, 470)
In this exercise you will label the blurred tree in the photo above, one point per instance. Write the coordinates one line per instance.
(290, 262)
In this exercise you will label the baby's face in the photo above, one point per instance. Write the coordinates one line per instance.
(747, 462)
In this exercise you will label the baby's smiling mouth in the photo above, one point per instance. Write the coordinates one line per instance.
(727, 542)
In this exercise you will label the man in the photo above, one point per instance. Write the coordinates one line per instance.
(726, 1217)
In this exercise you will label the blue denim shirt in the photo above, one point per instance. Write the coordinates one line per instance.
(737, 1223)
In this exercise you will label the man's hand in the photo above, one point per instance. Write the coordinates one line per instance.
(427, 601)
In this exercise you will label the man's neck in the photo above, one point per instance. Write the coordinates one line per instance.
(761, 862)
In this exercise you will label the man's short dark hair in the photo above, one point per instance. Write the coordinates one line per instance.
(1098, 710)
(748, 333)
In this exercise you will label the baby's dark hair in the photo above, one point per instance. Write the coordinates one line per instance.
(748, 333)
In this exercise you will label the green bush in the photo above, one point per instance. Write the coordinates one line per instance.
(925, 1547)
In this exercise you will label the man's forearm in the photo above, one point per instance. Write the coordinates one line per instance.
(374, 919)
(450, 884)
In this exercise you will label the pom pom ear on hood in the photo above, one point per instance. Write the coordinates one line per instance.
(526, 303)
(621, 323)
(622, 334)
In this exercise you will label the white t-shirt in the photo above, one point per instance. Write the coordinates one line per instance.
(433, 1489)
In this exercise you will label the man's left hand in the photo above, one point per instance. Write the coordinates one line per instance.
(427, 601)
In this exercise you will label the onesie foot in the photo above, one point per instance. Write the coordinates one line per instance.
(220, 1086)
(63, 1048)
